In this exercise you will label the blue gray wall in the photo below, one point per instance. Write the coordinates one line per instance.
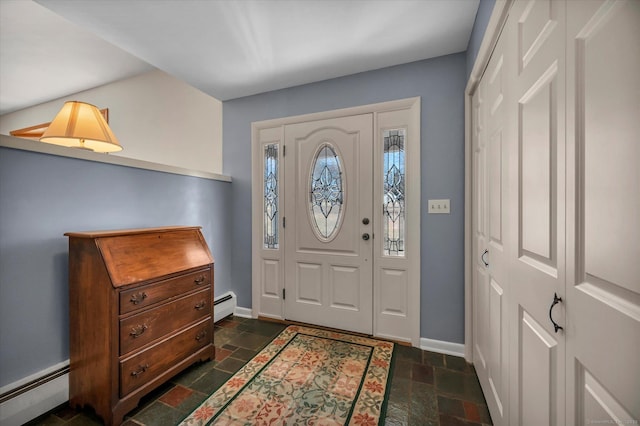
(477, 33)
(42, 197)
(440, 82)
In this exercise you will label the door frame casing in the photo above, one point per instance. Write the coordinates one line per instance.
(267, 302)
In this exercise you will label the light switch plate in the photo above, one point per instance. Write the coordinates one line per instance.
(439, 206)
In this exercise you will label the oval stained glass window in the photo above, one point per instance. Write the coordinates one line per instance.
(326, 194)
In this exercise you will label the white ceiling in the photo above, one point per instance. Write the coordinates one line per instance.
(226, 48)
(44, 57)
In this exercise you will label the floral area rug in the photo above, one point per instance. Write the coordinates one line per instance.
(305, 376)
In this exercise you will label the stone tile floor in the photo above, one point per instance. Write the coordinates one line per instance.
(427, 388)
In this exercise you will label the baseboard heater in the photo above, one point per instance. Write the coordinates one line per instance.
(33, 396)
(224, 305)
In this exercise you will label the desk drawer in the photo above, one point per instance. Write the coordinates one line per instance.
(141, 297)
(147, 326)
(152, 362)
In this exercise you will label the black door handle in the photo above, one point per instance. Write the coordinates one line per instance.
(482, 257)
(365, 236)
(556, 300)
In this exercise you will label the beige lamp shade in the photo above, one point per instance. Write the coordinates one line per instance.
(80, 125)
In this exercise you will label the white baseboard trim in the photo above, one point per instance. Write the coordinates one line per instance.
(34, 402)
(243, 312)
(440, 346)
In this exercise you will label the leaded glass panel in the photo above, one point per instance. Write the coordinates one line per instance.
(271, 196)
(326, 195)
(393, 207)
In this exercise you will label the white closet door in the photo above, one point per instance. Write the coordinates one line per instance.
(480, 275)
(537, 210)
(603, 220)
(490, 236)
(571, 139)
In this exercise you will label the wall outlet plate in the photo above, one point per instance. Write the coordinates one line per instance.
(439, 206)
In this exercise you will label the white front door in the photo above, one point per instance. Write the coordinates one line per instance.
(329, 222)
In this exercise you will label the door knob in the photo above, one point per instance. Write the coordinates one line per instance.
(365, 236)
(365, 221)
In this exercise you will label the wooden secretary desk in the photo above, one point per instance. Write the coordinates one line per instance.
(140, 311)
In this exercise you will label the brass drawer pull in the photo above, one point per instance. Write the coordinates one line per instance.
(138, 298)
(201, 335)
(200, 306)
(138, 330)
(201, 279)
(140, 370)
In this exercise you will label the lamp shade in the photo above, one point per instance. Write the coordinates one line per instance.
(80, 125)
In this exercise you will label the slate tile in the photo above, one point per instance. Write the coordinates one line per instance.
(85, 419)
(192, 402)
(416, 421)
(131, 422)
(450, 382)
(446, 420)
(397, 413)
(408, 354)
(400, 388)
(243, 354)
(422, 373)
(456, 363)
(432, 358)
(402, 370)
(230, 365)
(250, 341)
(48, 420)
(210, 381)
(473, 391)
(193, 373)
(392, 421)
(424, 403)
(450, 406)
(471, 412)
(176, 396)
(222, 336)
(483, 411)
(65, 412)
(227, 323)
(159, 414)
(269, 329)
(222, 353)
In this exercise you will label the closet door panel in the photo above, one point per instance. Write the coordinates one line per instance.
(491, 231)
(603, 284)
(480, 278)
(537, 207)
